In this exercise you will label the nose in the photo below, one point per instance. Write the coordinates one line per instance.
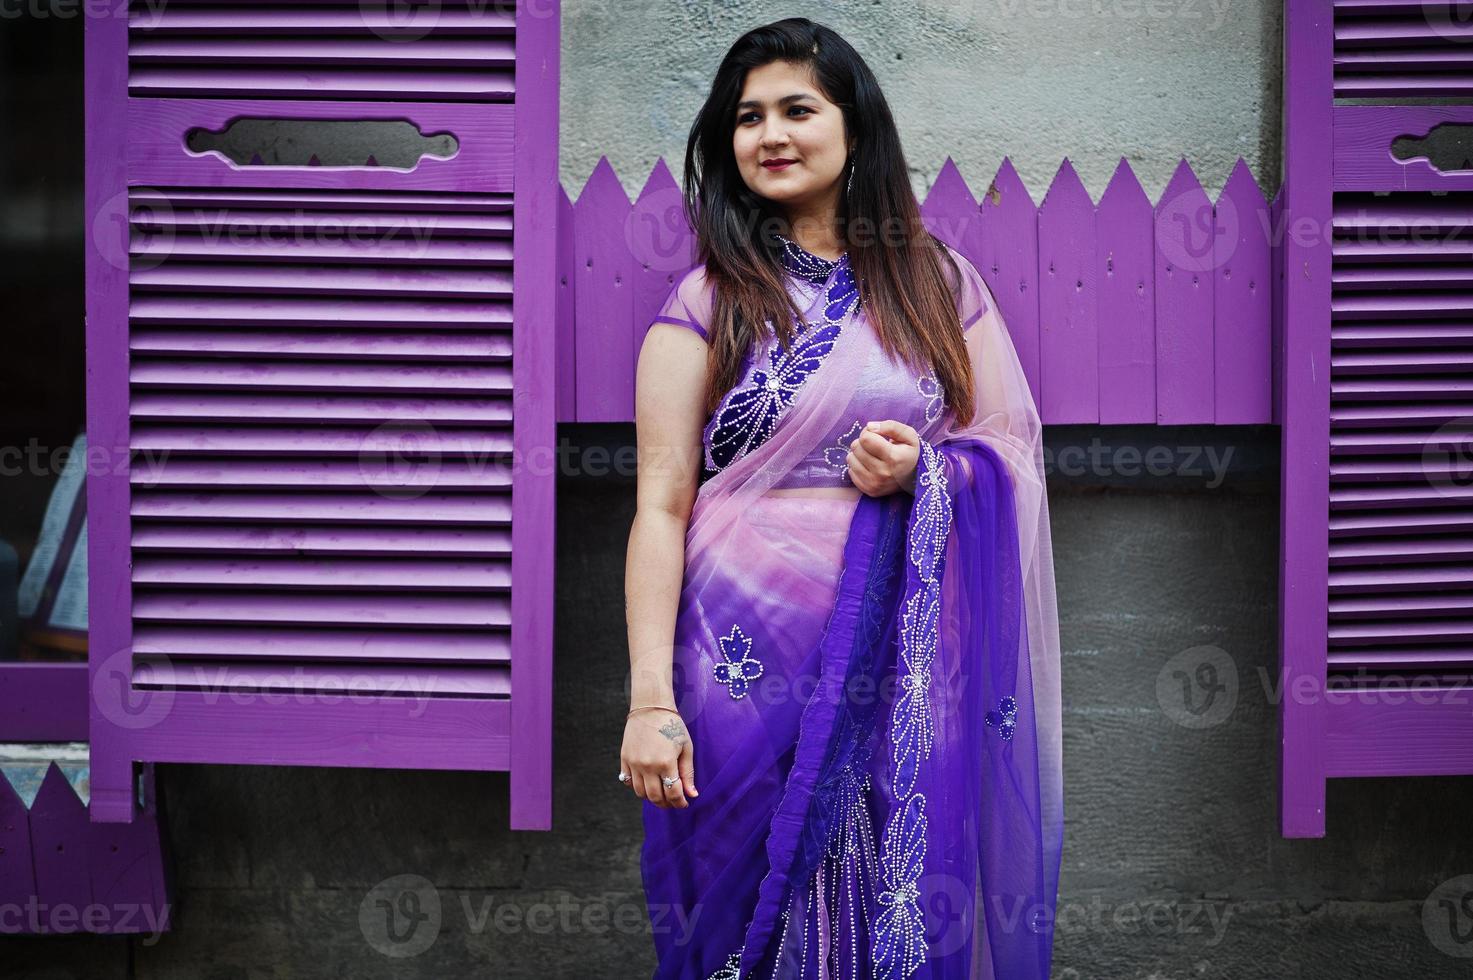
(774, 136)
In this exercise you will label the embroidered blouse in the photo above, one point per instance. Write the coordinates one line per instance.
(771, 378)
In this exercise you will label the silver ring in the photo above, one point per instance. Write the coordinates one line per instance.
(669, 780)
(623, 777)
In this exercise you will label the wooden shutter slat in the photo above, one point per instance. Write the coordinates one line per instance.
(403, 250)
(401, 609)
(181, 673)
(316, 313)
(275, 643)
(147, 406)
(467, 542)
(443, 52)
(386, 281)
(451, 379)
(430, 508)
(342, 573)
(326, 441)
(381, 475)
(390, 345)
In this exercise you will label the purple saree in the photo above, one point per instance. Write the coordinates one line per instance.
(871, 684)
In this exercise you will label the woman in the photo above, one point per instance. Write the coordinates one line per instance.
(839, 586)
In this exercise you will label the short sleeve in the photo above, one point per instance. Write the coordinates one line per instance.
(973, 298)
(689, 303)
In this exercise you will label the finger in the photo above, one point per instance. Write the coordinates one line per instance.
(644, 788)
(861, 474)
(687, 763)
(895, 431)
(675, 792)
(882, 449)
(689, 775)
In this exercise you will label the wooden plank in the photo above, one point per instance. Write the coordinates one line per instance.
(567, 312)
(604, 298)
(1185, 255)
(1009, 251)
(1069, 346)
(158, 157)
(1242, 304)
(1305, 418)
(61, 848)
(661, 248)
(109, 594)
(43, 702)
(1363, 138)
(17, 869)
(1126, 277)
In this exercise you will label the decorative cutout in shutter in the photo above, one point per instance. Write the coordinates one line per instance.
(333, 545)
(1377, 635)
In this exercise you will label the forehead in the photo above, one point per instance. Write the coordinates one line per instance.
(777, 80)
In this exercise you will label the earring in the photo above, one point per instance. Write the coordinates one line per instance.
(849, 187)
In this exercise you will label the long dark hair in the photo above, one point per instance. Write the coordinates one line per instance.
(895, 260)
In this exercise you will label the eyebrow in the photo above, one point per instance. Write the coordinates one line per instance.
(785, 100)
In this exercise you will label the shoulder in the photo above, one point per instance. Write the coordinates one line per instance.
(689, 301)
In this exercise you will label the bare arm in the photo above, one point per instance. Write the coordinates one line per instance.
(669, 382)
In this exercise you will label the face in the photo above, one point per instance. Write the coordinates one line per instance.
(782, 115)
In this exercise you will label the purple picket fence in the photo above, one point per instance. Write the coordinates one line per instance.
(1121, 311)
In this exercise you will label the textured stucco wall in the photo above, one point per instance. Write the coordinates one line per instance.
(977, 80)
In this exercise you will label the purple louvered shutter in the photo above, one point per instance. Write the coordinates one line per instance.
(334, 544)
(1377, 629)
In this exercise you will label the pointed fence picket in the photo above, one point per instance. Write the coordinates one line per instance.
(1121, 311)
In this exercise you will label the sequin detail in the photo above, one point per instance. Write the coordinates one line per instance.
(749, 413)
(837, 455)
(739, 667)
(730, 970)
(803, 263)
(900, 932)
(931, 389)
(1004, 718)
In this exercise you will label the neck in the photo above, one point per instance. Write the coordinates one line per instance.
(816, 230)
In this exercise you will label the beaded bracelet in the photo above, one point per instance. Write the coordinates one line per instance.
(644, 706)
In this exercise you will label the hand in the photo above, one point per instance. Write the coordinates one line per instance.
(657, 744)
(883, 459)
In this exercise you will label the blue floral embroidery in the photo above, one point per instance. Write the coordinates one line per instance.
(931, 389)
(837, 455)
(900, 937)
(900, 929)
(749, 413)
(1005, 718)
(803, 263)
(735, 670)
